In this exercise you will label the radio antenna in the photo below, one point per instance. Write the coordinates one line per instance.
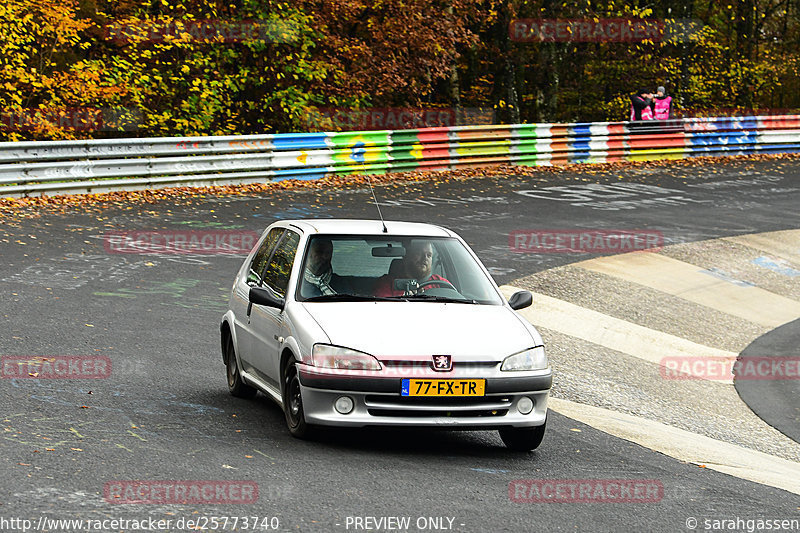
(376, 203)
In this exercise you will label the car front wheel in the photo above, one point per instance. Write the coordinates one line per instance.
(293, 404)
(523, 439)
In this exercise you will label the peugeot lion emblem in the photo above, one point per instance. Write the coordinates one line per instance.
(442, 363)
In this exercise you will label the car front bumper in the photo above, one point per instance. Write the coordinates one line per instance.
(377, 401)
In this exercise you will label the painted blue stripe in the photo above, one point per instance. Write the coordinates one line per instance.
(776, 265)
(723, 146)
(705, 139)
(778, 145)
(723, 134)
(299, 141)
(779, 149)
(308, 177)
(731, 123)
(580, 146)
(580, 129)
(721, 150)
(578, 157)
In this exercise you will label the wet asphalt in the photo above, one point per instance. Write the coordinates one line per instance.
(164, 412)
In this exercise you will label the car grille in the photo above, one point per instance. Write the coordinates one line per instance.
(411, 366)
(378, 405)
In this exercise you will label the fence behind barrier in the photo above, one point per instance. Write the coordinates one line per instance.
(63, 167)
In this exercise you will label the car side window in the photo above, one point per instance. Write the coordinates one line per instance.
(437, 266)
(280, 264)
(262, 256)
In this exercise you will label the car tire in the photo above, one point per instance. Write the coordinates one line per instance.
(523, 439)
(236, 386)
(293, 404)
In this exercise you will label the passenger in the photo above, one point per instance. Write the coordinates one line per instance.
(318, 278)
(416, 265)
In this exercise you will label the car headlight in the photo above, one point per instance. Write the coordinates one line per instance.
(327, 356)
(532, 359)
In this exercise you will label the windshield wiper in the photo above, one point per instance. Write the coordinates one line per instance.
(345, 298)
(432, 298)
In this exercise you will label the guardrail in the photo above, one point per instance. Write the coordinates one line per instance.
(64, 167)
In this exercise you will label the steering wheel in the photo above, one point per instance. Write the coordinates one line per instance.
(447, 284)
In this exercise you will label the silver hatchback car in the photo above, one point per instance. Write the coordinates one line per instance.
(364, 323)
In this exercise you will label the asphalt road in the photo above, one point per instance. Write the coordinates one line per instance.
(775, 401)
(164, 412)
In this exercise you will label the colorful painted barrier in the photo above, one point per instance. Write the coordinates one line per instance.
(60, 167)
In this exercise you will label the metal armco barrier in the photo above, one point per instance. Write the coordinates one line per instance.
(67, 167)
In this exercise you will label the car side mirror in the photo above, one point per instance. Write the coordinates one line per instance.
(520, 300)
(265, 297)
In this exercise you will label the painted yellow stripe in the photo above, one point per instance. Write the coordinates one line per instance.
(686, 446)
(783, 244)
(616, 334)
(689, 282)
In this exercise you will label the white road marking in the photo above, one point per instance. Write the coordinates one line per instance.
(784, 244)
(687, 446)
(691, 283)
(613, 333)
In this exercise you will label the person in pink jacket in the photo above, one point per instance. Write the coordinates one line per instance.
(641, 105)
(662, 105)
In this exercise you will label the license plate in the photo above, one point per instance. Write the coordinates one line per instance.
(443, 387)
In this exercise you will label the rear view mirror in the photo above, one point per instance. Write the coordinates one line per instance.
(388, 251)
(406, 284)
(520, 300)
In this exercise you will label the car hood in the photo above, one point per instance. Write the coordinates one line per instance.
(392, 330)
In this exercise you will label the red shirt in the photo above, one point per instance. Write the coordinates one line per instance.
(385, 285)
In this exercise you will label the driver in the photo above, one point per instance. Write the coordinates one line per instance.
(416, 265)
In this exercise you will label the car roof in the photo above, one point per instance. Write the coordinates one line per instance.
(344, 226)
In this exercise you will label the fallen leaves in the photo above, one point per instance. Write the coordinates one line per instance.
(36, 206)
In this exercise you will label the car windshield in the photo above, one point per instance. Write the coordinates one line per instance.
(366, 268)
